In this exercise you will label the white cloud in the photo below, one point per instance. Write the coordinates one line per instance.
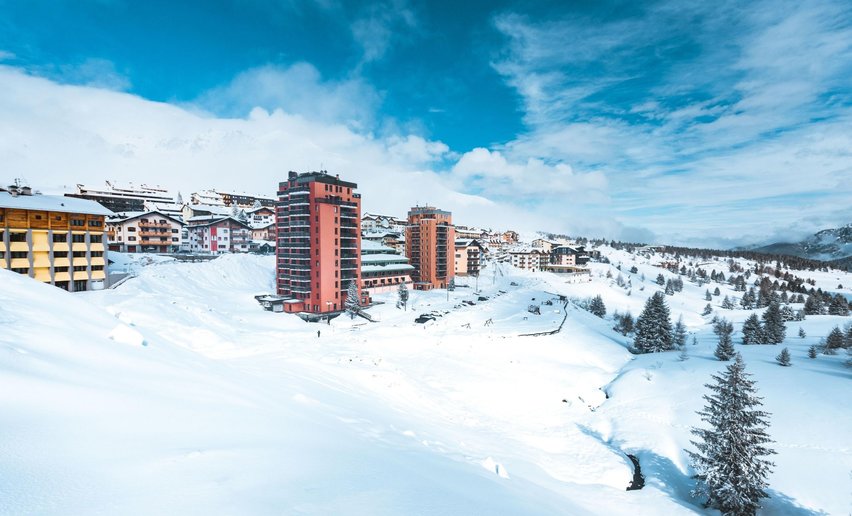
(57, 135)
(382, 24)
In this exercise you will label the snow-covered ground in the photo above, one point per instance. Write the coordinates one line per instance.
(176, 393)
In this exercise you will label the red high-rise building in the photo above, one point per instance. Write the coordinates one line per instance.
(430, 247)
(318, 241)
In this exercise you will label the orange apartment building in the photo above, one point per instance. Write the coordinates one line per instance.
(319, 241)
(430, 247)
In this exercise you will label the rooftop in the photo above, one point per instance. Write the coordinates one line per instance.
(52, 203)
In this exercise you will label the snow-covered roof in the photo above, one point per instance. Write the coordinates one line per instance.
(389, 267)
(52, 203)
(124, 216)
(383, 258)
(374, 247)
(206, 220)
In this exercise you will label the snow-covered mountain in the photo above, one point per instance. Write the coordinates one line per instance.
(826, 245)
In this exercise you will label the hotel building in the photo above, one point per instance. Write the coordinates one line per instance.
(53, 239)
(430, 246)
(319, 238)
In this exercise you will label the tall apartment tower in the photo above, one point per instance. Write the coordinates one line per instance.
(430, 247)
(318, 242)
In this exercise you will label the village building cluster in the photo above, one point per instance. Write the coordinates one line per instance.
(323, 242)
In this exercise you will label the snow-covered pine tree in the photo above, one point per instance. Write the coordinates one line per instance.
(707, 295)
(353, 303)
(717, 292)
(730, 462)
(753, 331)
(813, 305)
(725, 348)
(679, 333)
(783, 358)
(669, 288)
(597, 307)
(661, 280)
(654, 327)
(707, 310)
(402, 292)
(812, 352)
(838, 306)
(727, 303)
(802, 333)
(683, 356)
(774, 329)
(834, 340)
(624, 324)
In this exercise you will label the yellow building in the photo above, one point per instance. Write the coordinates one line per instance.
(54, 239)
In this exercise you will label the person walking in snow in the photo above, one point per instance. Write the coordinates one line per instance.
(318, 334)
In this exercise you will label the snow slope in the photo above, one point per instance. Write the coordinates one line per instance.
(201, 402)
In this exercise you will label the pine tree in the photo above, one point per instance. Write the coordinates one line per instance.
(813, 305)
(402, 292)
(661, 280)
(812, 352)
(730, 462)
(707, 310)
(802, 333)
(727, 303)
(352, 303)
(654, 327)
(774, 329)
(753, 331)
(838, 306)
(597, 307)
(683, 356)
(679, 333)
(783, 358)
(669, 288)
(707, 295)
(717, 292)
(835, 340)
(725, 348)
(623, 323)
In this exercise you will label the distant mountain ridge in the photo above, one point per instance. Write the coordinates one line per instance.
(827, 245)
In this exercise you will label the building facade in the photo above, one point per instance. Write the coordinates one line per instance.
(149, 231)
(530, 259)
(318, 217)
(262, 216)
(568, 259)
(468, 257)
(218, 235)
(118, 198)
(382, 269)
(430, 247)
(54, 239)
(242, 200)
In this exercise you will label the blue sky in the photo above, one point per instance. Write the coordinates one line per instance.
(691, 122)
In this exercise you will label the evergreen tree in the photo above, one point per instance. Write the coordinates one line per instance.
(669, 288)
(717, 292)
(725, 348)
(402, 292)
(683, 356)
(812, 352)
(802, 333)
(707, 295)
(679, 333)
(597, 307)
(654, 327)
(774, 329)
(623, 323)
(847, 338)
(783, 358)
(753, 331)
(730, 462)
(835, 340)
(838, 306)
(352, 303)
(707, 310)
(813, 305)
(661, 280)
(633, 270)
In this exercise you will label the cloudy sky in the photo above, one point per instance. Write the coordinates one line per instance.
(711, 123)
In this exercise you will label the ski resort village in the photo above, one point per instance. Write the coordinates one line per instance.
(423, 258)
(293, 354)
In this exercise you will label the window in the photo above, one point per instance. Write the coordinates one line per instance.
(96, 239)
(17, 237)
(80, 285)
(174, 231)
(97, 267)
(60, 237)
(79, 254)
(131, 229)
(19, 254)
(78, 222)
(95, 223)
(97, 254)
(60, 269)
(79, 268)
(37, 217)
(21, 270)
(131, 238)
(60, 254)
(174, 239)
(78, 239)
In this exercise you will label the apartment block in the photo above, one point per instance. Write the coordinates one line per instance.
(430, 247)
(147, 231)
(382, 269)
(318, 217)
(218, 235)
(53, 239)
(468, 255)
(118, 197)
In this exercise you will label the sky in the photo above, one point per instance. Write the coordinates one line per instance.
(692, 122)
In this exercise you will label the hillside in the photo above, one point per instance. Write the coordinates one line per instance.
(827, 245)
(177, 383)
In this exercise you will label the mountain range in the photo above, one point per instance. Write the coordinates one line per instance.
(830, 245)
